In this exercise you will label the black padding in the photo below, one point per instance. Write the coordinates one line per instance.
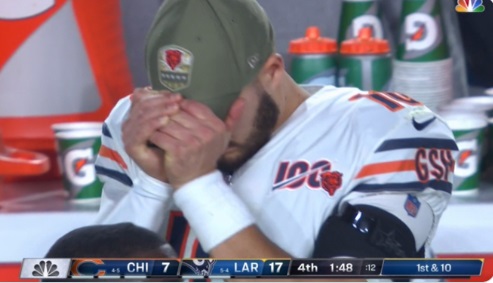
(375, 233)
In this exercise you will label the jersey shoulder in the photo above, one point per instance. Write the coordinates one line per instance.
(117, 116)
(391, 129)
(412, 148)
(371, 117)
(381, 115)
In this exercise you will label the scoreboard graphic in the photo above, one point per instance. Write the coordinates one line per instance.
(90, 268)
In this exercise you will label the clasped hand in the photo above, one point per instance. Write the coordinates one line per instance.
(189, 137)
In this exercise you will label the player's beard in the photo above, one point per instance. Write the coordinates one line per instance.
(265, 121)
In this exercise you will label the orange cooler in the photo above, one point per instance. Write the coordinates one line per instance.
(60, 61)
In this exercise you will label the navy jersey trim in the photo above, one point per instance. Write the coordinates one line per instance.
(414, 186)
(417, 143)
(118, 176)
(106, 131)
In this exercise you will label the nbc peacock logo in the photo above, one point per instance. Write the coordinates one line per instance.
(45, 269)
(469, 6)
(42, 268)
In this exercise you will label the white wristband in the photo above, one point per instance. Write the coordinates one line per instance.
(212, 209)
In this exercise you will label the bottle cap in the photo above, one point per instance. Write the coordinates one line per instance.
(364, 44)
(312, 43)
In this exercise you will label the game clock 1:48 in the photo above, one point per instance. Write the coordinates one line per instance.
(325, 267)
(341, 267)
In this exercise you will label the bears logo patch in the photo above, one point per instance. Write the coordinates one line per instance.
(331, 181)
(175, 67)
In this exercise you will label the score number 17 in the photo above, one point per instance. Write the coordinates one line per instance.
(275, 267)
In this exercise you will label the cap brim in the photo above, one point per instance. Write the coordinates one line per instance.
(219, 105)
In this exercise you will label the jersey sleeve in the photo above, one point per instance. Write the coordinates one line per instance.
(409, 173)
(129, 195)
(113, 171)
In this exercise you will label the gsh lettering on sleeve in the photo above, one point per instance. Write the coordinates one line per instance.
(434, 163)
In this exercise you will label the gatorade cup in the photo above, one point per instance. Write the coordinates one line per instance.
(480, 105)
(78, 151)
(423, 68)
(357, 14)
(421, 37)
(72, 126)
(365, 62)
(469, 132)
(76, 126)
(313, 59)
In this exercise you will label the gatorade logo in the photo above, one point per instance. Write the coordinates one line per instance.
(80, 168)
(367, 21)
(421, 32)
(467, 161)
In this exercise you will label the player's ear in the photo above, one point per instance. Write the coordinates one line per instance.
(271, 74)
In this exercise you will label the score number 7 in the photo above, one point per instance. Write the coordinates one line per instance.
(393, 101)
(166, 265)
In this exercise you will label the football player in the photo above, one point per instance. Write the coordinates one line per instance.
(228, 157)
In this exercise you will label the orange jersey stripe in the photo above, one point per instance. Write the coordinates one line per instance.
(113, 155)
(387, 167)
(195, 247)
(181, 252)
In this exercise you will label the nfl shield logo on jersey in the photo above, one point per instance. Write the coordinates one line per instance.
(175, 67)
(412, 205)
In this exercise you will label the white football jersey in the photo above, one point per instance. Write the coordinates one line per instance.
(342, 145)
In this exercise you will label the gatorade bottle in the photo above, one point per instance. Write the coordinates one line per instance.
(313, 59)
(423, 55)
(357, 14)
(365, 62)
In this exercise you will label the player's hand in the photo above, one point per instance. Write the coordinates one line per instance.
(150, 110)
(194, 139)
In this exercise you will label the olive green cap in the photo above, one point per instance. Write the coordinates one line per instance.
(208, 50)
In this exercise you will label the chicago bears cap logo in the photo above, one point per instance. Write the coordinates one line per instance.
(173, 58)
(175, 67)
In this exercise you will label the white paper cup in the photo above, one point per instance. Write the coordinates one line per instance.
(76, 126)
(483, 103)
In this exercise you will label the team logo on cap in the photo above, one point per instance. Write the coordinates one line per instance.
(175, 67)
